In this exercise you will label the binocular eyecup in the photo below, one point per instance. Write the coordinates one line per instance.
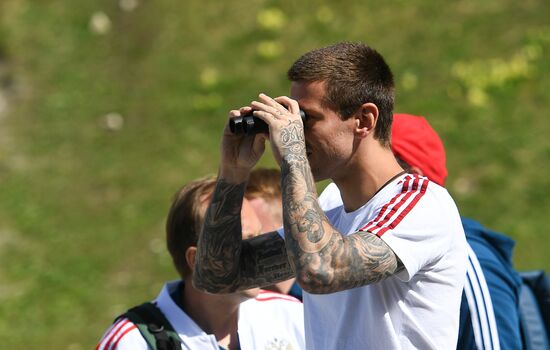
(248, 124)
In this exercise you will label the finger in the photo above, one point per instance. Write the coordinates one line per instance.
(245, 110)
(262, 107)
(291, 104)
(259, 142)
(258, 106)
(265, 116)
(272, 103)
(234, 113)
(238, 112)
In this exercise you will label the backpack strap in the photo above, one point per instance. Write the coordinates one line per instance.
(531, 319)
(539, 282)
(154, 327)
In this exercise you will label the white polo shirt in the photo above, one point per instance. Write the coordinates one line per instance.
(270, 321)
(419, 307)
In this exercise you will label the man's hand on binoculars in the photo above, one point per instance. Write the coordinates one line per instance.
(286, 127)
(240, 152)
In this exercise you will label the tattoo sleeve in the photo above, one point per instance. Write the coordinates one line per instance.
(324, 260)
(224, 262)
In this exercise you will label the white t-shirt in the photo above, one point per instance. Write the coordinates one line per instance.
(418, 308)
(270, 321)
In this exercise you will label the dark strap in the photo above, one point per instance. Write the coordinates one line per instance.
(531, 321)
(539, 282)
(154, 327)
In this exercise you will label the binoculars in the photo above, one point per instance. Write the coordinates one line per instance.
(248, 124)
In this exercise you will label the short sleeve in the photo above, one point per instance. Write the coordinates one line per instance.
(419, 225)
(122, 335)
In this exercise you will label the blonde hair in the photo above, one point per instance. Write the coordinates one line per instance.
(264, 183)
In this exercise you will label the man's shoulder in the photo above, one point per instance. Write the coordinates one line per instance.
(123, 334)
(128, 331)
(415, 203)
(436, 205)
(412, 187)
(272, 303)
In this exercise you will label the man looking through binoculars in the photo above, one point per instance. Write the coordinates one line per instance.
(383, 270)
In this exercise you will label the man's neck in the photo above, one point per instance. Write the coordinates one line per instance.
(214, 314)
(365, 176)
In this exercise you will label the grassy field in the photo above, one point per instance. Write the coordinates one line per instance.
(108, 107)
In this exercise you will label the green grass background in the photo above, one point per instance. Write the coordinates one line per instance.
(84, 195)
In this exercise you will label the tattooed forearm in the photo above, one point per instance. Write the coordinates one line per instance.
(323, 259)
(225, 263)
(265, 261)
(219, 245)
(354, 261)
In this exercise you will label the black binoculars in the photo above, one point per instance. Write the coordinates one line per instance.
(248, 124)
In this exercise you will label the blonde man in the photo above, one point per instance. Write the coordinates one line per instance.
(249, 319)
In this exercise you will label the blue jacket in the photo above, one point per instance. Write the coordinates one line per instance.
(488, 319)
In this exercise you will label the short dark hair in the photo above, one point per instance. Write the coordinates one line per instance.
(185, 220)
(354, 74)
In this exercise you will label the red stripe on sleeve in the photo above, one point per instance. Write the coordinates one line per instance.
(382, 223)
(407, 209)
(113, 333)
(396, 207)
(404, 189)
(122, 335)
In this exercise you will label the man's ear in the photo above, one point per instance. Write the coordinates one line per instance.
(190, 255)
(365, 119)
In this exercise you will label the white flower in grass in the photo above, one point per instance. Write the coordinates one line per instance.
(100, 23)
(128, 5)
(113, 121)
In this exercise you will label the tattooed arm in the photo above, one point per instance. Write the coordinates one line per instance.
(225, 262)
(325, 261)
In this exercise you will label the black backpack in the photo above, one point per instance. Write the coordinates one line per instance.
(154, 327)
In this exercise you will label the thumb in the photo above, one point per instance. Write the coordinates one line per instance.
(259, 144)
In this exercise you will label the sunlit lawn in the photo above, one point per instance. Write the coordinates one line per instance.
(107, 108)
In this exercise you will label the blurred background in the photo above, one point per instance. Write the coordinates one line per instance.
(107, 107)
